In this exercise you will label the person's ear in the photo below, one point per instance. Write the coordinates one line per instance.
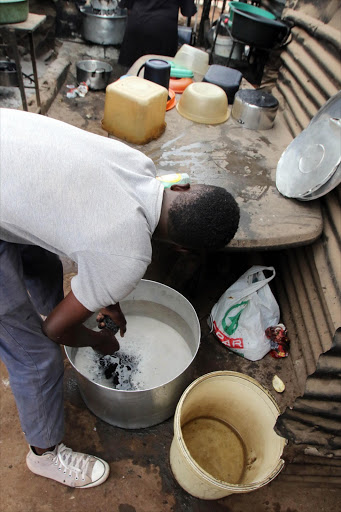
(180, 188)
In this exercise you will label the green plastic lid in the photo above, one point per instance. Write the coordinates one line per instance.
(179, 72)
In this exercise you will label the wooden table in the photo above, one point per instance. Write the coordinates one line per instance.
(244, 162)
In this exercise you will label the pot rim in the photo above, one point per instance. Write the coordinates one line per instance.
(98, 62)
(87, 11)
(255, 107)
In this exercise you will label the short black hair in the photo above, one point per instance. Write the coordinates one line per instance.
(205, 216)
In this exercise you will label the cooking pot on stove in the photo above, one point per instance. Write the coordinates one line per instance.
(255, 109)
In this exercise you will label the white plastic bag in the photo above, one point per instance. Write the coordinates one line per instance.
(244, 311)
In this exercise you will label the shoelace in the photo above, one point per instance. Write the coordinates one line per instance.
(71, 461)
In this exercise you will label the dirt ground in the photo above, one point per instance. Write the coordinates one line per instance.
(141, 479)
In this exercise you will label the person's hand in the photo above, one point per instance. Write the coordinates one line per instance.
(108, 343)
(64, 326)
(115, 313)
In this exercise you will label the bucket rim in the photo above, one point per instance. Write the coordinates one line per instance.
(236, 488)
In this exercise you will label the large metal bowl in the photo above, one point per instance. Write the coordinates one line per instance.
(140, 409)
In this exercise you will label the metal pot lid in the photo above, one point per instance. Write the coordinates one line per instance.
(333, 182)
(332, 108)
(310, 160)
(257, 98)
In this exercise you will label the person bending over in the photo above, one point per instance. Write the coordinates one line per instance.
(68, 192)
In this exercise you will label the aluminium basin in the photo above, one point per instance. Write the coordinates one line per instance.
(143, 408)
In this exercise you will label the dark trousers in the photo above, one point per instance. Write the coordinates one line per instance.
(31, 283)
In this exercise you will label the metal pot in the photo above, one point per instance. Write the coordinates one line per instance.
(103, 29)
(8, 74)
(255, 109)
(140, 409)
(95, 73)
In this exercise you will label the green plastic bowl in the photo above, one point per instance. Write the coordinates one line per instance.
(250, 9)
(13, 11)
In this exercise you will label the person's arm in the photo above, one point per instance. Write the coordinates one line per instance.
(64, 326)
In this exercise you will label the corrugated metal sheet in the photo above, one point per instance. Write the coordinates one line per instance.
(310, 72)
(308, 291)
(274, 6)
(308, 285)
(304, 309)
(315, 420)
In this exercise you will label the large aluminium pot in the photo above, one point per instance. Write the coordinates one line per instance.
(105, 29)
(143, 408)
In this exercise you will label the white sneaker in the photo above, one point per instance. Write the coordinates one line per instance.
(68, 467)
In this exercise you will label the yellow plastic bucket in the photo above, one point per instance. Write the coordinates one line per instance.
(224, 439)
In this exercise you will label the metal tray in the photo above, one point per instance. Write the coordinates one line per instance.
(311, 160)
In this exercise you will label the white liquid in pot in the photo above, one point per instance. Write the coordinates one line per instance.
(158, 351)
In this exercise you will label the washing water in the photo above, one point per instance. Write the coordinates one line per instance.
(154, 350)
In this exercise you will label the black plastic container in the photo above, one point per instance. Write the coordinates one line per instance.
(156, 70)
(258, 31)
(227, 78)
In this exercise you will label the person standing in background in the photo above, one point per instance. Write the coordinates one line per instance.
(152, 28)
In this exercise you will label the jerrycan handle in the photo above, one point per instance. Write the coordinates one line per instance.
(143, 66)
